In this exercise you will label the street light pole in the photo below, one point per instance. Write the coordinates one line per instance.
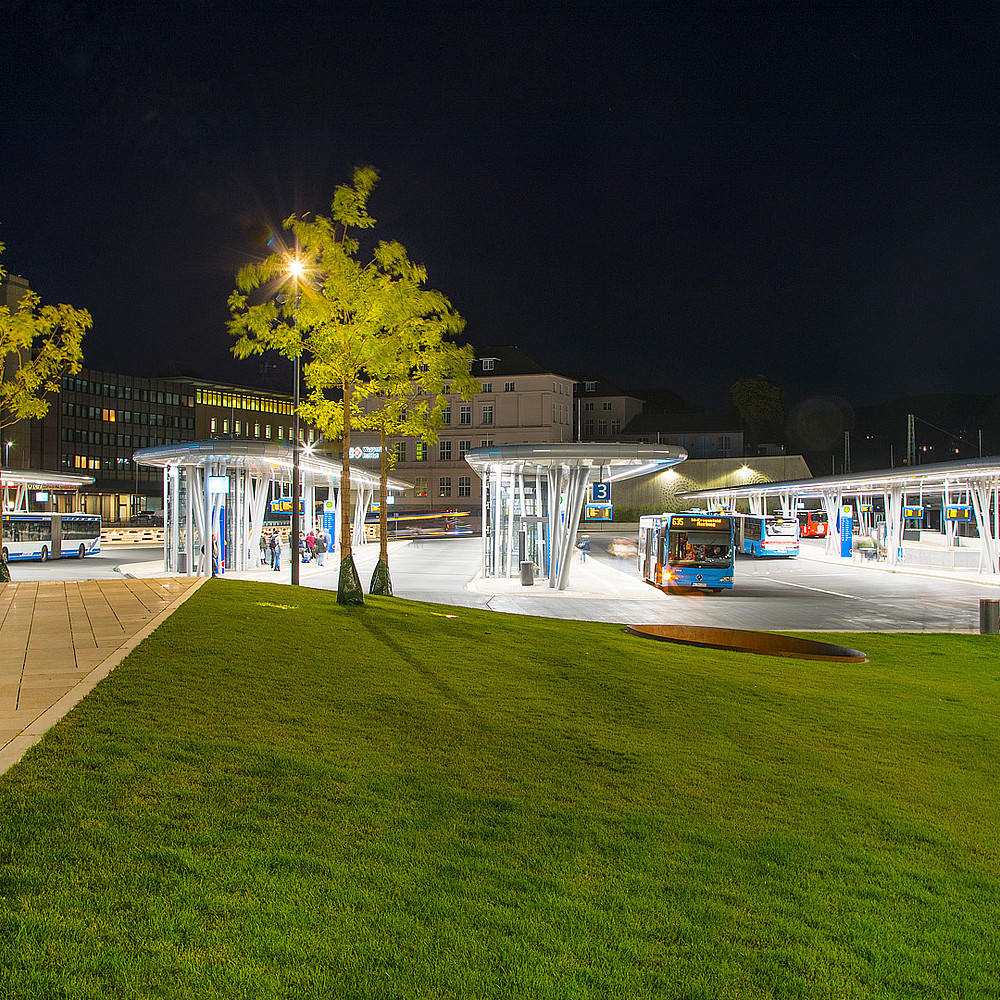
(293, 554)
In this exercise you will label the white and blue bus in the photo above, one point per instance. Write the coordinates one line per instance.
(49, 536)
(688, 550)
(766, 536)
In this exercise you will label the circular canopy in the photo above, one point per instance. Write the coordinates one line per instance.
(262, 457)
(605, 461)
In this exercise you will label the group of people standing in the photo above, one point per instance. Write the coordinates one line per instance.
(313, 546)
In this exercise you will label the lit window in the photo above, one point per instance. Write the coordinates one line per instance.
(225, 426)
(213, 427)
(420, 487)
(421, 455)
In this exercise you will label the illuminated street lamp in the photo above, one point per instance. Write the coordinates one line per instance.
(6, 453)
(296, 270)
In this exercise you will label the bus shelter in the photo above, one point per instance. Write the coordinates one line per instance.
(25, 489)
(534, 497)
(964, 491)
(224, 487)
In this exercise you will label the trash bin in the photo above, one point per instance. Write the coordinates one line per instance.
(989, 615)
(527, 574)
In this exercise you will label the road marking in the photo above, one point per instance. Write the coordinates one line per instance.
(818, 590)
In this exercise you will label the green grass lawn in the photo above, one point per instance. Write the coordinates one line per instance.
(274, 796)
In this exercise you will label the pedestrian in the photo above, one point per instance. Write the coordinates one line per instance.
(320, 548)
(272, 543)
(311, 544)
(276, 538)
(215, 555)
(584, 546)
(263, 549)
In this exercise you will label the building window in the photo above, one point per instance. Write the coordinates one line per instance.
(281, 433)
(725, 446)
(444, 486)
(444, 451)
(256, 430)
(487, 387)
(463, 447)
(487, 413)
(237, 428)
(488, 364)
(606, 405)
(508, 387)
(213, 428)
(267, 432)
(616, 427)
(465, 414)
(420, 486)
(400, 454)
(465, 486)
(225, 426)
(588, 406)
(486, 443)
(602, 428)
(588, 428)
(421, 455)
(589, 386)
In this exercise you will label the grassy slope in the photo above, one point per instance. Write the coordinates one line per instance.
(276, 796)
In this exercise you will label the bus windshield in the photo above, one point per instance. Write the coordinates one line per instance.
(700, 548)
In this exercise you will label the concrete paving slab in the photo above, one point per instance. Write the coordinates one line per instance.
(60, 638)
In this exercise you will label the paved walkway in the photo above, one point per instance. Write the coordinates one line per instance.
(57, 640)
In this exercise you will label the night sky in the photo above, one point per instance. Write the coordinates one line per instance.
(672, 201)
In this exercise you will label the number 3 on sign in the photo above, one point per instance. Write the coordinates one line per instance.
(600, 492)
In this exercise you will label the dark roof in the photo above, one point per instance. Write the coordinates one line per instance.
(602, 387)
(508, 361)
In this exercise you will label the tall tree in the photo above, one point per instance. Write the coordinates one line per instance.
(38, 345)
(761, 405)
(339, 325)
(412, 374)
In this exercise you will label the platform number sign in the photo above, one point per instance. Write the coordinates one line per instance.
(600, 492)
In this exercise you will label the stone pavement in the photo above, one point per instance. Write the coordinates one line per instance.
(58, 639)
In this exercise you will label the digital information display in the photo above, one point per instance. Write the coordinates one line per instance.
(958, 513)
(598, 512)
(697, 523)
(913, 513)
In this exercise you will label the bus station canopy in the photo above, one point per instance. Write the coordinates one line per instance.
(221, 487)
(23, 481)
(972, 481)
(534, 495)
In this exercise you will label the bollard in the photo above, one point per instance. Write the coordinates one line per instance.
(527, 573)
(989, 616)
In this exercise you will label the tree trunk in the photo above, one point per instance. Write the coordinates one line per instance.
(381, 583)
(349, 589)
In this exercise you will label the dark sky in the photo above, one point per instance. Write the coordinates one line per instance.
(673, 200)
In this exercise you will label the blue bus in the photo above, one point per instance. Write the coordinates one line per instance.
(48, 536)
(757, 535)
(687, 550)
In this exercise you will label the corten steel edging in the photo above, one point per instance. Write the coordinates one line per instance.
(747, 641)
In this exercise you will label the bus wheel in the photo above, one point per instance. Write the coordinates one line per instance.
(45, 553)
(83, 550)
(716, 590)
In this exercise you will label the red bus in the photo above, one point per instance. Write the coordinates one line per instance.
(812, 524)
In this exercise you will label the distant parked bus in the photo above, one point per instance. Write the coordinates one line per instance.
(686, 550)
(758, 535)
(48, 536)
(813, 523)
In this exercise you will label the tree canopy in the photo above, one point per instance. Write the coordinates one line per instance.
(38, 345)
